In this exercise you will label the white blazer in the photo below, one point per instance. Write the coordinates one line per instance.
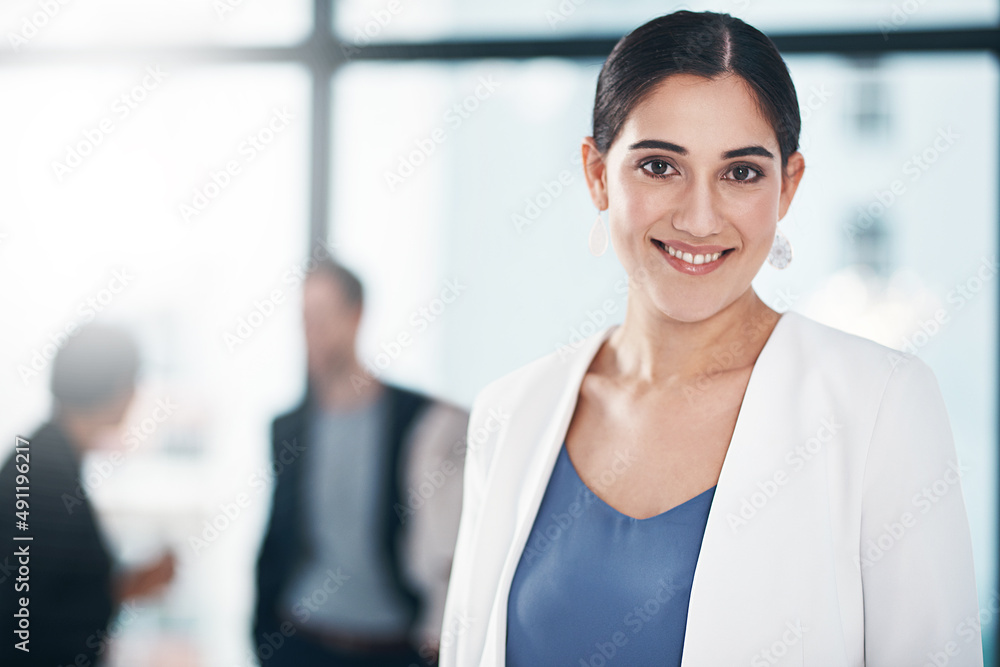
(837, 534)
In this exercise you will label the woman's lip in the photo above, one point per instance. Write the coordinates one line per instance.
(685, 267)
(694, 249)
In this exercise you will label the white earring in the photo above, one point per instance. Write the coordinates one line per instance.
(598, 237)
(781, 251)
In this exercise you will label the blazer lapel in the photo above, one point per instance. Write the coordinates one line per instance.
(740, 562)
(538, 469)
(743, 462)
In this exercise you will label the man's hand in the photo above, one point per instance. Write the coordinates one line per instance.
(146, 581)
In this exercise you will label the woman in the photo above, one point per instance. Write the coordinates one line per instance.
(711, 482)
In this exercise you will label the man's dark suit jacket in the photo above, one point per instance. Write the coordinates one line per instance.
(285, 545)
(69, 578)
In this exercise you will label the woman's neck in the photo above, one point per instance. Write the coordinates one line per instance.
(651, 348)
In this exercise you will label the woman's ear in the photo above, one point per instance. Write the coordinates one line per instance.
(595, 171)
(790, 181)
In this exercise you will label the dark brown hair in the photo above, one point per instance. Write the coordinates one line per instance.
(705, 44)
(325, 265)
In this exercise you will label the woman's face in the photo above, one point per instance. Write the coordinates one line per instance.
(695, 170)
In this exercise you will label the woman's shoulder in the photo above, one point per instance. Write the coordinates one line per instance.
(832, 351)
(832, 341)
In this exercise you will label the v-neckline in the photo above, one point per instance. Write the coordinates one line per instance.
(739, 415)
(541, 468)
(579, 481)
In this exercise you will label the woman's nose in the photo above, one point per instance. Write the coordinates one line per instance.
(697, 212)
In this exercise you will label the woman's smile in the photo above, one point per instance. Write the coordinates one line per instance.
(692, 260)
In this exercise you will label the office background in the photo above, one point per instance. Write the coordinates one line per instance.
(172, 165)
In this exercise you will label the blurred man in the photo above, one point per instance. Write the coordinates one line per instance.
(58, 588)
(355, 561)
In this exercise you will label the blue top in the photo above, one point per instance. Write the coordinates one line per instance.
(597, 587)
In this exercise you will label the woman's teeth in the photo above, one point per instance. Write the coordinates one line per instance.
(692, 259)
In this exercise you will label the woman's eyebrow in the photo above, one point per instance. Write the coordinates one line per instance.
(656, 143)
(674, 148)
(747, 150)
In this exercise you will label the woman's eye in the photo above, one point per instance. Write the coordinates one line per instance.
(744, 173)
(657, 167)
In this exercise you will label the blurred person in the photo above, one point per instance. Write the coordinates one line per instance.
(69, 583)
(355, 561)
(710, 482)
